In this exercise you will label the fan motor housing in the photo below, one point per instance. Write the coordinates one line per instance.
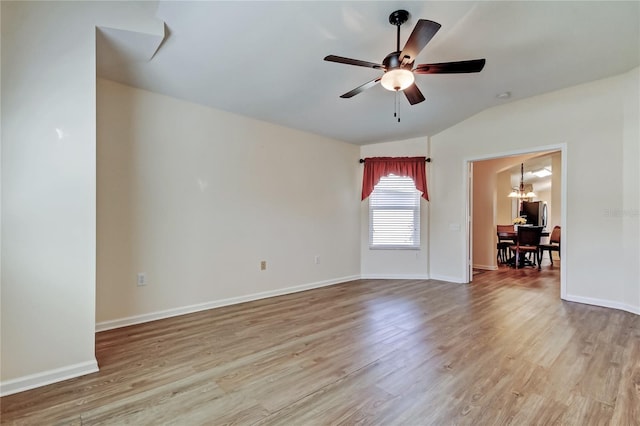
(392, 60)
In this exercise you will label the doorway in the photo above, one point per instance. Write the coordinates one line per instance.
(489, 183)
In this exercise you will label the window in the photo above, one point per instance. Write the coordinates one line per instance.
(394, 214)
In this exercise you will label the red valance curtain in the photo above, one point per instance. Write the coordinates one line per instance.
(377, 167)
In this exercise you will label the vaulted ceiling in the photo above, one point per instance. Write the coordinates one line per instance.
(265, 59)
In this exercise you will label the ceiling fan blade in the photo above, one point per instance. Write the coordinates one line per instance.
(413, 94)
(474, 65)
(349, 61)
(422, 33)
(362, 88)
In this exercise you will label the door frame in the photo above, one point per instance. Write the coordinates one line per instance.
(468, 203)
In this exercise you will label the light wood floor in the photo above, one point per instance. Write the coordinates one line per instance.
(503, 350)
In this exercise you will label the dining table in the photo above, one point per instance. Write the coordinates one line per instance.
(513, 235)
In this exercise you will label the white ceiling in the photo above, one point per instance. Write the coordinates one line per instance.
(532, 163)
(265, 59)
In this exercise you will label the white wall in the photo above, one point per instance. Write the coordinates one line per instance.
(598, 122)
(555, 209)
(197, 197)
(48, 187)
(630, 214)
(395, 263)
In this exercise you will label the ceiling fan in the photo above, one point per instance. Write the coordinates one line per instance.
(399, 73)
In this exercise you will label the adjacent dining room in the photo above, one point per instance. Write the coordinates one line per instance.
(516, 212)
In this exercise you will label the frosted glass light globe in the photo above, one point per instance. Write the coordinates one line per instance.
(397, 79)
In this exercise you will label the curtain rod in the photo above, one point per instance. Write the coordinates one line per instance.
(428, 160)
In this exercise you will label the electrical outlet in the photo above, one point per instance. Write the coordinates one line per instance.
(263, 265)
(142, 279)
(317, 260)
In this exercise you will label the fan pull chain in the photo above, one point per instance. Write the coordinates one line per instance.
(395, 105)
(397, 108)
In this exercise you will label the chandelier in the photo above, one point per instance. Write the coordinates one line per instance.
(520, 192)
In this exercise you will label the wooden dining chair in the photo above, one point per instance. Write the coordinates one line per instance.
(527, 241)
(505, 240)
(554, 244)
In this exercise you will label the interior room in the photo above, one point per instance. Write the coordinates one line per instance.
(189, 233)
(493, 201)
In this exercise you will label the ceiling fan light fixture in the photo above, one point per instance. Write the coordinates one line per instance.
(397, 79)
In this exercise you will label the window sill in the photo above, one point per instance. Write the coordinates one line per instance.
(393, 248)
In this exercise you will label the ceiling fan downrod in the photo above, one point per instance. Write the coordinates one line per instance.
(392, 61)
(398, 18)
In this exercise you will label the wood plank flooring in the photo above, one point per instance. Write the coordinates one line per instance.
(502, 350)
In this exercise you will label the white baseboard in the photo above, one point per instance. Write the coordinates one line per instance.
(486, 267)
(44, 378)
(153, 316)
(604, 303)
(456, 280)
(395, 277)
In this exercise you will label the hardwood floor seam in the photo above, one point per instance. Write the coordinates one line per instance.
(502, 350)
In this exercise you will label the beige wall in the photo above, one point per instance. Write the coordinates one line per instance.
(196, 198)
(48, 187)
(395, 263)
(484, 191)
(504, 205)
(579, 119)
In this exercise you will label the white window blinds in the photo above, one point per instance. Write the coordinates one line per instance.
(394, 214)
